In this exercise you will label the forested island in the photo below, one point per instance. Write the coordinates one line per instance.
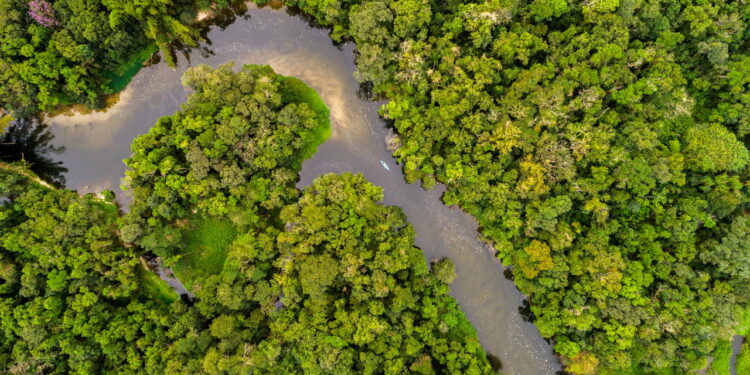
(601, 145)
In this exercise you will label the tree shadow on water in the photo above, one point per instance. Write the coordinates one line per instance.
(30, 141)
(495, 362)
(221, 19)
(525, 311)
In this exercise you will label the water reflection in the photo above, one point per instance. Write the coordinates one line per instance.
(207, 21)
(30, 141)
(525, 311)
(495, 362)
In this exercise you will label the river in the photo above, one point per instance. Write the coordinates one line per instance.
(96, 144)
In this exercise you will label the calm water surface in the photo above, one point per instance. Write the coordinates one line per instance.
(96, 144)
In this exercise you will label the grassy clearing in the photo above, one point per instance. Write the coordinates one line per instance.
(154, 287)
(295, 91)
(121, 76)
(205, 241)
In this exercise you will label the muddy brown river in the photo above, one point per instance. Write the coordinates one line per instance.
(96, 144)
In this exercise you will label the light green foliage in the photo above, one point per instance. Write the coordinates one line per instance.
(5, 122)
(72, 297)
(743, 359)
(713, 148)
(544, 9)
(720, 358)
(294, 90)
(204, 245)
(444, 270)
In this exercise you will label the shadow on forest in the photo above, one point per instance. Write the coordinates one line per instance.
(30, 141)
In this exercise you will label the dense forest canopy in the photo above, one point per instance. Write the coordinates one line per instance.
(74, 51)
(601, 144)
(328, 281)
(335, 286)
(341, 290)
(70, 300)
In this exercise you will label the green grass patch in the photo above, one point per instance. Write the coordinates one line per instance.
(154, 287)
(205, 242)
(721, 355)
(743, 359)
(743, 329)
(109, 209)
(293, 90)
(120, 77)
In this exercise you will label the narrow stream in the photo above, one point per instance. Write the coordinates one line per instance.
(96, 144)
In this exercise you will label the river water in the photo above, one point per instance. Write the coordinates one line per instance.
(96, 144)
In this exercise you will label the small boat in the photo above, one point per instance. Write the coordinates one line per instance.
(387, 168)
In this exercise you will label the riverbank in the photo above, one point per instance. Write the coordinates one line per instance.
(356, 143)
(18, 169)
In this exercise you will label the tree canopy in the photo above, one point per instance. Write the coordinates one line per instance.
(76, 51)
(323, 281)
(70, 298)
(600, 144)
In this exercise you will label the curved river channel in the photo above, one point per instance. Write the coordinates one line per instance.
(96, 144)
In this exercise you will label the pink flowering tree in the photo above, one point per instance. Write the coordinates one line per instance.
(42, 12)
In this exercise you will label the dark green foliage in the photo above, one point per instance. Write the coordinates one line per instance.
(94, 48)
(720, 358)
(118, 79)
(30, 142)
